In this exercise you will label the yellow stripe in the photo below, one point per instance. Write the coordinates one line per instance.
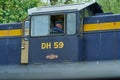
(91, 27)
(102, 26)
(7, 33)
(117, 25)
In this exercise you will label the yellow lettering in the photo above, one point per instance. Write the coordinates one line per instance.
(43, 46)
(56, 45)
(61, 44)
(46, 45)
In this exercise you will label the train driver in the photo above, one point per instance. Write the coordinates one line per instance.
(58, 27)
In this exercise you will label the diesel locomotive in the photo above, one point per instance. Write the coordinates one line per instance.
(89, 35)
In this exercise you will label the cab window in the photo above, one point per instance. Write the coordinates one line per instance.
(71, 23)
(26, 30)
(40, 25)
(48, 25)
(57, 24)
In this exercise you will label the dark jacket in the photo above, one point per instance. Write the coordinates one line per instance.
(56, 29)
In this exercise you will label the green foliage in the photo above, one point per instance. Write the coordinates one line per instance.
(107, 5)
(68, 2)
(110, 5)
(16, 10)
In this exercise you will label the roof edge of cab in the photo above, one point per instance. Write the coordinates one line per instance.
(93, 6)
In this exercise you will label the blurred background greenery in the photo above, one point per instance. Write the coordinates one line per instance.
(16, 10)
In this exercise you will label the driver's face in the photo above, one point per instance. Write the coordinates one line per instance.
(59, 26)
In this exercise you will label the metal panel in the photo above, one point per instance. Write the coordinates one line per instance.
(107, 28)
(101, 46)
(107, 46)
(10, 49)
(117, 43)
(10, 44)
(100, 19)
(3, 51)
(14, 50)
(43, 47)
(10, 26)
(91, 46)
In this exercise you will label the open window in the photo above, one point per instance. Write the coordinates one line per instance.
(57, 25)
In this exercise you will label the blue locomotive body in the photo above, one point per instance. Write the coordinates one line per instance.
(88, 35)
(10, 43)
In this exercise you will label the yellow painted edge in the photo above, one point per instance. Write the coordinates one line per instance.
(14, 32)
(117, 25)
(102, 26)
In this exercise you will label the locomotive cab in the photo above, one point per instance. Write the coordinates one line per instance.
(46, 44)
